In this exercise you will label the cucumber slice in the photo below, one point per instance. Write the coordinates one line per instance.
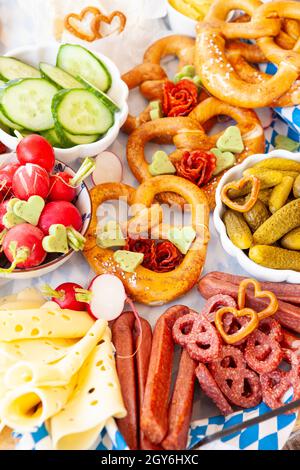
(81, 139)
(2, 83)
(77, 60)
(59, 77)
(11, 68)
(7, 123)
(106, 100)
(53, 138)
(28, 103)
(80, 112)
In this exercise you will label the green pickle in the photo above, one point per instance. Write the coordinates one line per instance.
(268, 179)
(291, 241)
(296, 187)
(275, 258)
(264, 196)
(279, 224)
(280, 194)
(237, 229)
(256, 216)
(281, 164)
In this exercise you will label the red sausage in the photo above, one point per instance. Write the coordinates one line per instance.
(154, 420)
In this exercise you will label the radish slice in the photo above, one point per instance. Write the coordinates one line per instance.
(108, 169)
(108, 297)
(265, 116)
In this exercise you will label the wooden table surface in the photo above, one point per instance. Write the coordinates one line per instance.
(8, 443)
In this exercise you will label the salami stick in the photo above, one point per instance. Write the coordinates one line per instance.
(181, 406)
(154, 421)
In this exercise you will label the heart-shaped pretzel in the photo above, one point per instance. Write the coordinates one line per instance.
(74, 28)
(244, 331)
(237, 185)
(144, 285)
(101, 18)
(271, 309)
(189, 135)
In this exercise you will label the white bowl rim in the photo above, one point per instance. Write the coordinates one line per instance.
(261, 272)
(60, 259)
(120, 117)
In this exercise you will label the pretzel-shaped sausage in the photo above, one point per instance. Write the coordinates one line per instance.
(189, 134)
(143, 285)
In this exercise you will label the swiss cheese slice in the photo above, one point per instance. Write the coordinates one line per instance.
(48, 321)
(96, 399)
(27, 298)
(59, 372)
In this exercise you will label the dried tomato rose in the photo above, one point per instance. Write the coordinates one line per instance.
(197, 166)
(162, 257)
(179, 99)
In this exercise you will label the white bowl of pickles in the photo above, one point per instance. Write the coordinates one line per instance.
(264, 239)
(73, 97)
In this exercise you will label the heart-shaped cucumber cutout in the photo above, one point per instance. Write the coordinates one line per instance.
(225, 160)
(57, 241)
(161, 164)
(30, 210)
(10, 219)
(231, 140)
(111, 236)
(128, 261)
(182, 238)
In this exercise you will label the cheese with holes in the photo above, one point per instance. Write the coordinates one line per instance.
(60, 372)
(26, 299)
(96, 399)
(49, 321)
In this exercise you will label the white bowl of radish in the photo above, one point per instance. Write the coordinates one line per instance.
(63, 205)
(74, 98)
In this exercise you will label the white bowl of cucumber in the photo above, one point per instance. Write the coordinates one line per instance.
(70, 95)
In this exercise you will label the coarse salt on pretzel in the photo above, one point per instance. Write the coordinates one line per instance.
(188, 134)
(221, 79)
(144, 285)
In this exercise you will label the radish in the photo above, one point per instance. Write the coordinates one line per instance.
(22, 245)
(6, 177)
(64, 213)
(3, 148)
(65, 296)
(63, 185)
(108, 169)
(265, 116)
(3, 211)
(30, 180)
(106, 297)
(37, 150)
(60, 212)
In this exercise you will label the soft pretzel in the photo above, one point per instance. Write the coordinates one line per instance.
(188, 134)
(239, 54)
(221, 79)
(180, 46)
(146, 286)
(135, 78)
(273, 51)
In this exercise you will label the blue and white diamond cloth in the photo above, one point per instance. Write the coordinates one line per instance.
(269, 435)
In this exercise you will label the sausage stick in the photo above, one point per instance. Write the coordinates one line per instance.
(181, 406)
(154, 421)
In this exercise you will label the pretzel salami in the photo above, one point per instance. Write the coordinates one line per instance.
(210, 387)
(263, 352)
(215, 303)
(275, 384)
(144, 285)
(158, 422)
(132, 372)
(189, 135)
(230, 373)
(193, 332)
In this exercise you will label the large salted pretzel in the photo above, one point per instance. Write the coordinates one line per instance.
(216, 71)
(144, 285)
(188, 134)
